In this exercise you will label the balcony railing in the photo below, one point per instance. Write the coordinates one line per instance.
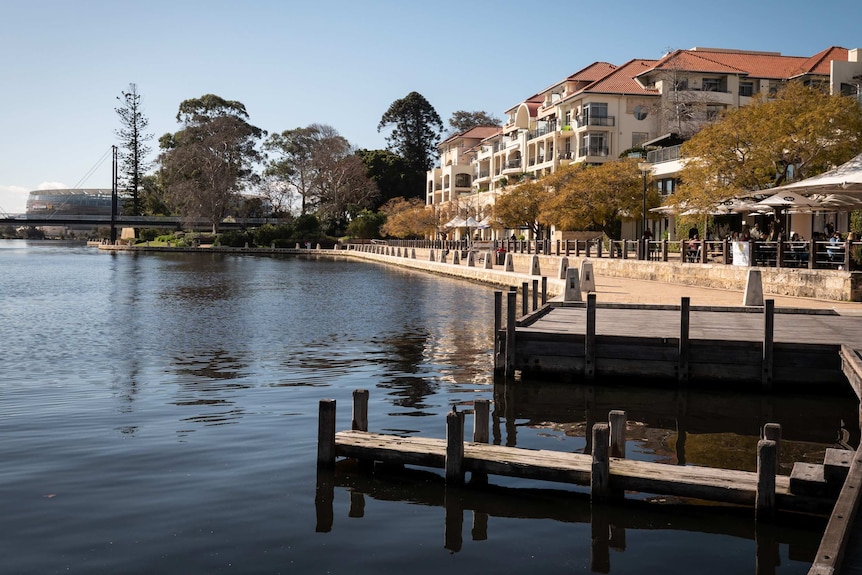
(595, 121)
(668, 154)
(566, 155)
(594, 151)
(541, 131)
(512, 164)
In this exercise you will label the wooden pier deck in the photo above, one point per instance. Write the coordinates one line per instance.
(737, 346)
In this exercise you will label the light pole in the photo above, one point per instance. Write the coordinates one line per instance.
(644, 168)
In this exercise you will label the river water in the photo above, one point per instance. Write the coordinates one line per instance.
(158, 414)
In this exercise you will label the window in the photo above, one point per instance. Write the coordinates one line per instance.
(595, 110)
(640, 112)
(594, 144)
(713, 112)
(746, 89)
(680, 84)
(462, 180)
(711, 85)
(639, 138)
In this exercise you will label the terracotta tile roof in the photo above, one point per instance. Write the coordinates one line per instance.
(819, 63)
(593, 72)
(622, 79)
(770, 65)
(479, 133)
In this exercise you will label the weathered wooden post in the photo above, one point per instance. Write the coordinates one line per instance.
(481, 433)
(765, 497)
(617, 421)
(590, 338)
(664, 250)
(360, 410)
(684, 323)
(511, 302)
(454, 465)
(326, 433)
(535, 294)
(768, 347)
(601, 471)
(772, 432)
(499, 364)
(544, 290)
(525, 295)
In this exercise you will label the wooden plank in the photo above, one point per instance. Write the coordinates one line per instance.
(830, 554)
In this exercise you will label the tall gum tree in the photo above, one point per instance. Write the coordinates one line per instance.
(210, 160)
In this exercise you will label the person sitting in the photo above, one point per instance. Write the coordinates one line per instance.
(694, 245)
(835, 249)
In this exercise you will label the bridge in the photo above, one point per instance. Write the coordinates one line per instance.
(133, 221)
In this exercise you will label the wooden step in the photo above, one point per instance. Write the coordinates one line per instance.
(808, 479)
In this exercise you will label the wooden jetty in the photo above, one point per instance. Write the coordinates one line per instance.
(745, 346)
(831, 488)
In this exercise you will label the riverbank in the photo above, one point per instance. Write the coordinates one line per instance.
(617, 280)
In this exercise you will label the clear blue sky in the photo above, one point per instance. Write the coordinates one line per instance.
(336, 62)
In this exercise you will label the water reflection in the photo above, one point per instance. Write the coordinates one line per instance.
(609, 525)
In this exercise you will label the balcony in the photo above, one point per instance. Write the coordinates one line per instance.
(668, 154)
(566, 155)
(580, 121)
(543, 130)
(594, 151)
(512, 165)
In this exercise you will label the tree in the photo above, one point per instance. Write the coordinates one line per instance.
(597, 198)
(322, 168)
(416, 130)
(408, 217)
(209, 161)
(392, 175)
(799, 133)
(521, 206)
(366, 225)
(462, 121)
(133, 146)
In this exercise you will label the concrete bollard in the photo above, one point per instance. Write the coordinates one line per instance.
(431, 256)
(534, 266)
(412, 253)
(573, 286)
(443, 256)
(489, 260)
(753, 289)
(471, 259)
(588, 278)
(564, 265)
(510, 264)
(318, 246)
(297, 245)
(456, 257)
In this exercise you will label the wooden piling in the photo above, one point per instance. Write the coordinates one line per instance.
(684, 324)
(772, 432)
(768, 343)
(535, 294)
(544, 290)
(525, 298)
(511, 302)
(326, 433)
(360, 410)
(498, 324)
(600, 470)
(481, 420)
(590, 338)
(454, 467)
(617, 421)
(765, 498)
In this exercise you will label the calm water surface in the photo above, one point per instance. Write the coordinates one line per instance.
(158, 414)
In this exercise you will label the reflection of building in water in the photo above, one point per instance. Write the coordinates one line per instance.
(69, 202)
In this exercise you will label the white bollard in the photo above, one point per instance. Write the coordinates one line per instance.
(510, 264)
(534, 266)
(753, 289)
(588, 278)
(564, 265)
(412, 253)
(471, 259)
(456, 257)
(431, 255)
(573, 286)
(489, 260)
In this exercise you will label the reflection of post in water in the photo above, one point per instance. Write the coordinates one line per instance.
(481, 410)
(504, 404)
(768, 557)
(454, 520)
(681, 427)
(357, 505)
(600, 556)
(324, 495)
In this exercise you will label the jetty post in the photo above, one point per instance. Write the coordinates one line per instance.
(766, 463)
(499, 363)
(684, 324)
(590, 338)
(326, 434)
(481, 433)
(454, 465)
(768, 344)
(600, 475)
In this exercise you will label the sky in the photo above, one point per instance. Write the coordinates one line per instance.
(64, 63)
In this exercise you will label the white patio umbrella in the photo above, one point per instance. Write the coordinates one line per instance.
(471, 222)
(846, 178)
(787, 199)
(456, 222)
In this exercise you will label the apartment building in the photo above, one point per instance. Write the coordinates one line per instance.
(603, 110)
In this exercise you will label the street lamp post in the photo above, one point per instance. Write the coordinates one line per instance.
(644, 168)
